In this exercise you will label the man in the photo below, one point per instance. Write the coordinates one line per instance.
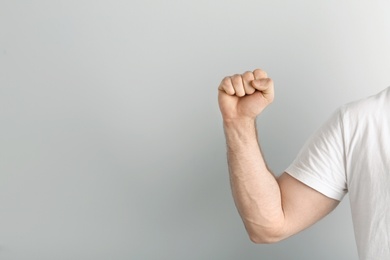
(350, 152)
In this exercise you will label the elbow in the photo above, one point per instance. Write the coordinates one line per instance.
(264, 239)
(269, 236)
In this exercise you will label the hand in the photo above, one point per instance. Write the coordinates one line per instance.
(245, 96)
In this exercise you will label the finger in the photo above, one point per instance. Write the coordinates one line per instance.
(259, 74)
(226, 86)
(238, 85)
(266, 86)
(247, 79)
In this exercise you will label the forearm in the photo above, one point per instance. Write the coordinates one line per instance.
(255, 189)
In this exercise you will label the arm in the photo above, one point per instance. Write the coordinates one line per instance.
(271, 209)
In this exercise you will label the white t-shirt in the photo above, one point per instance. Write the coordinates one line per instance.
(351, 153)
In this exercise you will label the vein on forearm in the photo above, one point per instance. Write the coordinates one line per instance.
(254, 187)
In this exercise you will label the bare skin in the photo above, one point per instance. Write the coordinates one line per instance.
(271, 208)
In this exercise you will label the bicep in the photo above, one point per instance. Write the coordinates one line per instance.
(302, 205)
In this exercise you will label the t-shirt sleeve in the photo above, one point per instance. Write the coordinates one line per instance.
(321, 162)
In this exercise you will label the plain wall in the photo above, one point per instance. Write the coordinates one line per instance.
(111, 141)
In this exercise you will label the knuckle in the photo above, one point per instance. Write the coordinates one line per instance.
(226, 86)
(226, 80)
(236, 78)
(248, 75)
(229, 89)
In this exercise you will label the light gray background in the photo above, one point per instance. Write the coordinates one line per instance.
(111, 142)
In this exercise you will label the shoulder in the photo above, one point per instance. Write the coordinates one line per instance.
(367, 107)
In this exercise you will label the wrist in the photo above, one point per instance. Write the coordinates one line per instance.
(239, 122)
(240, 130)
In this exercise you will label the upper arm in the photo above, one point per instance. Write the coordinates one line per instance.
(302, 205)
(315, 182)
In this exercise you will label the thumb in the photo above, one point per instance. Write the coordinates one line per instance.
(265, 86)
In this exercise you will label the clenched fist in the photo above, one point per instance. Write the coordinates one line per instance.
(245, 96)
